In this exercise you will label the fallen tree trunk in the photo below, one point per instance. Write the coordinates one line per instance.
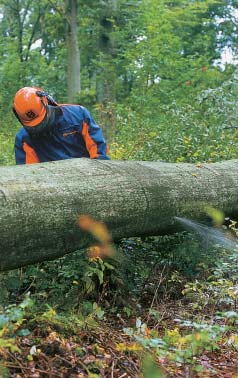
(41, 203)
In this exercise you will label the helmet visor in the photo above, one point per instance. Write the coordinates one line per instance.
(48, 122)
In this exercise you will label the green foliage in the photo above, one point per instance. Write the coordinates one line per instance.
(12, 318)
(195, 132)
(213, 294)
(72, 283)
(179, 346)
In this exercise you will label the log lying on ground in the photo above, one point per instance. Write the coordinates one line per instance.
(40, 203)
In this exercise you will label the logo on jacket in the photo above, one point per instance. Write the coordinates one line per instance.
(70, 133)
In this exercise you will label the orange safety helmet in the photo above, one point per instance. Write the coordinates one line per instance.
(30, 106)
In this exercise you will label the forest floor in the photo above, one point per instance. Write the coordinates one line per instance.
(104, 349)
(160, 313)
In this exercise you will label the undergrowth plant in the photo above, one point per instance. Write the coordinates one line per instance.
(13, 323)
(181, 345)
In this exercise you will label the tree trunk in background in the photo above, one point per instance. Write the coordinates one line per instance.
(41, 203)
(73, 75)
(106, 75)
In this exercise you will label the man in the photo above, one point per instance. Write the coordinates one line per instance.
(53, 131)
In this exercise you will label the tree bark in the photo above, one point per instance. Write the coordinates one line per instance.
(41, 203)
(73, 52)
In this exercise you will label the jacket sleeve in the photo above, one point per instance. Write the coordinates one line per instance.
(24, 153)
(93, 137)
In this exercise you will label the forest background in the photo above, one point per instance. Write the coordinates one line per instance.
(160, 78)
